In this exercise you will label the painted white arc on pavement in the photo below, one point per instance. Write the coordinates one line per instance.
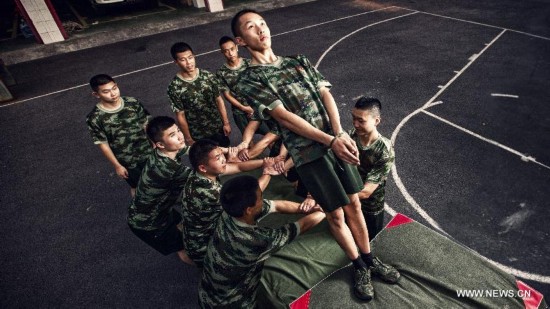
(410, 199)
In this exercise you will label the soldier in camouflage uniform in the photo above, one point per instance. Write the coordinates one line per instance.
(239, 247)
(201, 195)
(195, 98)
(291, 92)
(117, 126)
(151, 215)
(228, 74)
(377, 156)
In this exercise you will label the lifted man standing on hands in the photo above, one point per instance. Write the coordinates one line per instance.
(292, 93)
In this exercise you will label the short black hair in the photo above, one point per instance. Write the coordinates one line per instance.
(99, 80)
(372, 105)
(235, 25)
(179, 47)
(198, 154)
(224, 39)
(157, 126)
(239, 193)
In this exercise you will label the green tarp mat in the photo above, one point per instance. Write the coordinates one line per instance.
(313, 272)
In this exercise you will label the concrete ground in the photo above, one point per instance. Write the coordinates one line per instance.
(464, 87)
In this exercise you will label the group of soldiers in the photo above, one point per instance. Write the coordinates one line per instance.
(188, 211)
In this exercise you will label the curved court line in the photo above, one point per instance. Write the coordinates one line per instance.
(414, 204)
(355, 31)
(430, 103)
(333, 20)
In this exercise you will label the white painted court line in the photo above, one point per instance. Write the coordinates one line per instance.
(512, 271)
(389, 210)
(333, 20)
(471, 60)
(303, 28)
(503, 95)
(115, 76)
(354, 32)
(201, 54)
(411, 200)
(479, 24)
(522, 156)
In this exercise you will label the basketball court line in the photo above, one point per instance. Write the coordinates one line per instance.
(418, 208)
(522, 156)
(504, 95)
(399, 183)
(197, 55)
(525, 275)
(282, 33)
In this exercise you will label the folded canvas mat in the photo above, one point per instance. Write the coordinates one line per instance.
(436, 272)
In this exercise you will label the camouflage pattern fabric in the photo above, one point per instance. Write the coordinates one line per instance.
(376, 161)
(228, 80)
(197, 98)
(235, 258)
(201, 210)
(295, 83)
(123, 129)
(158, 190)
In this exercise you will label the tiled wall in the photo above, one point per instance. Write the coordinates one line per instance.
(42, 20)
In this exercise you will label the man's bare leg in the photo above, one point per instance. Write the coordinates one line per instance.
(341, 233)
(356, 223)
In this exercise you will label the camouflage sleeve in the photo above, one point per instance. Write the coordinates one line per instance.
(267, 208)
(277, 238)
(319, 79)
(217, 85)
(259, 95)
(97, 133)
(153, 187)
(222, 82)
(381, 167)
(176, 103)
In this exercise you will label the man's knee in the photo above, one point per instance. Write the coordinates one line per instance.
(354, 204)
(336, 217)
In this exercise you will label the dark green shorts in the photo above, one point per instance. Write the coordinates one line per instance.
(166, 240)
(329, 180)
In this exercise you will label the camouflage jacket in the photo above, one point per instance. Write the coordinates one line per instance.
(158, 190)
(197, 99)
(201, 210)
(228, 80)
(294, 83)
(235, 258)
(376, 161)
(123, 129)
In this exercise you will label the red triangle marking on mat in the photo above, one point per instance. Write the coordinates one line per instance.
(398, 220)
(302, 302)
(531, 297)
